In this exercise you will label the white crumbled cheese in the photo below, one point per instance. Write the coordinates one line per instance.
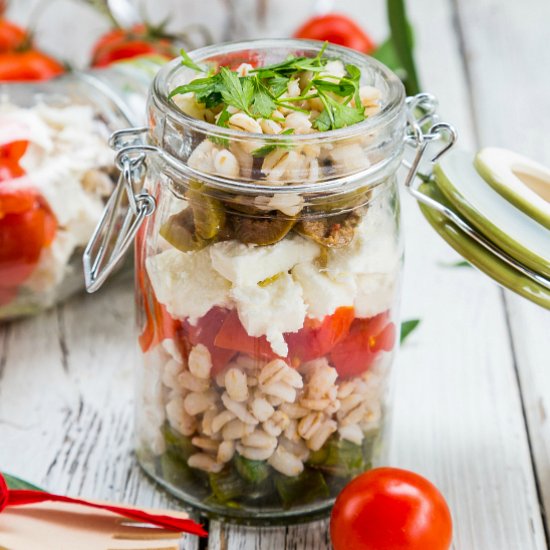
(375, 294)
(186, 283)
(65, 143)
(52, 265)
(323, 292)
(271, 310)
(151, 414)
(247, 265)
(374, 248)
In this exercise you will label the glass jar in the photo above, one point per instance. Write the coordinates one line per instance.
(267, 287)
(56, 172)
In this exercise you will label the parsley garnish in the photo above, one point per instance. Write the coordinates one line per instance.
(262, 92)
(266, 149)
(188, 62)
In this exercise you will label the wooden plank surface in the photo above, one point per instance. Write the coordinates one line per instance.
(510, 91)
(66, 377)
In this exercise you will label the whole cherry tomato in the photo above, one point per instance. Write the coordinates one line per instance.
(12, 36)
(366, 339)
(22, 238)
(29, 65)
(336, 29)
(139, 40)
(390, 509)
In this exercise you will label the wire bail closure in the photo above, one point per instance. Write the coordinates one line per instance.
(424, 128)
(125, 210)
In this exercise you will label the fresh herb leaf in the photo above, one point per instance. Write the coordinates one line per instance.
(223, 122)
(268, 148)
(263, 104)
(207, 90)
(278, 85)
(188, 62)
(236, 91)
(323, 122)
(408, 327)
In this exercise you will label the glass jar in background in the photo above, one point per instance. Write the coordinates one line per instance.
(267, 287)
(269, 18)
(56, 173)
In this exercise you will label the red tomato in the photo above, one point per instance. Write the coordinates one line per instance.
(390, 509)
(337, 29)
(233, 336)
(11, 36)
(121, 44)
(14, 150)
(28, 65)
(205, 332)
(317, 338)
(14, 200)
(22, 237)
(366, 338)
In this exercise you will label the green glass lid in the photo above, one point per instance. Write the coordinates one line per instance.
(511, 229)
(493, 209)
(478, 255)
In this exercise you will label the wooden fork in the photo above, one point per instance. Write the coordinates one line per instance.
(60, 526)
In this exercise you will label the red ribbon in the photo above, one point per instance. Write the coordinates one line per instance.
(20, 497)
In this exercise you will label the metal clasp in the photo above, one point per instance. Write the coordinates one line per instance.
(125, 210)
(424, 128)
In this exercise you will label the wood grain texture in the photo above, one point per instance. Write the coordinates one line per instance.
(463, 381)
(511, 87)
(66, 401)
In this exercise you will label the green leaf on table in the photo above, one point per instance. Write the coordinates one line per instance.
(459, 263)
(402, 40)
(17, 483)
(407, 328)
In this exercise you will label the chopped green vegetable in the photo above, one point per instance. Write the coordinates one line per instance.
(308, 487)
(408, 327)
(253, 471)
(227, 485)
(176, 443)
(188, 62)
(339, 458)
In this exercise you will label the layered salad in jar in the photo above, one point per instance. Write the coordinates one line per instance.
(267, 320)
(55, 175)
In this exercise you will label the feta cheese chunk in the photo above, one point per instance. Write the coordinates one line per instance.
(375, 294)
(271, 310)
(53, 263)
(324, 293)
(374, 248)
(186, 283)
(247, 265)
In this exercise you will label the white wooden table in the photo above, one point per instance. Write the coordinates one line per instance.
(473, 388)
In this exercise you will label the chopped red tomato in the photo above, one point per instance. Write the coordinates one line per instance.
(22, 237)
(366, 339)
(14, 150)
(317, 338)
(206, 332)
(233, 336)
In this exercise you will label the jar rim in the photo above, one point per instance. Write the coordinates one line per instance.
(393, 105)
